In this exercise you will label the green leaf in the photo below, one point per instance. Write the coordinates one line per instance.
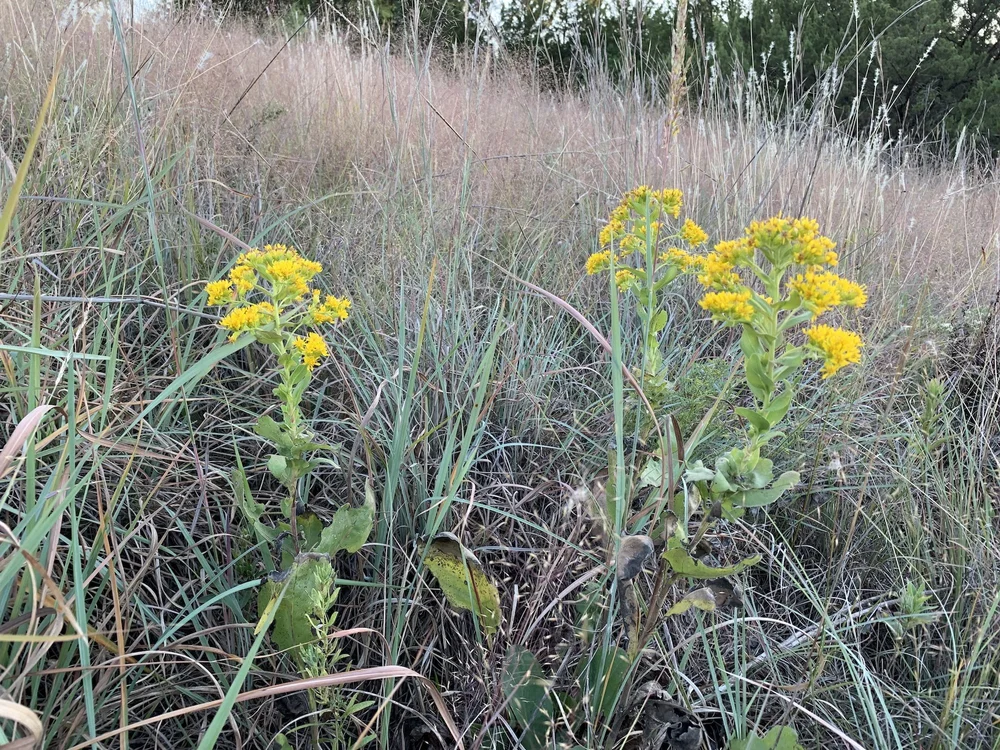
(698, 472)
(778, 738)
(778, 407)
(760, 384)
(762, 473)
(652, 474)
(527, 690)
(658, 323)
(759, 498)
(463, 580)
(310, 580)
(703, 599)
(682, 562)
(796, 319)
(750, 343)
(278, 466)
(273, 432)
(311, 528)
(606, 673)
(267, 337)
(350, 527)
(757, 421)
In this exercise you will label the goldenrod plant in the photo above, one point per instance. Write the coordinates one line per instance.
(269, 295)
(773, 284)
(630, 243)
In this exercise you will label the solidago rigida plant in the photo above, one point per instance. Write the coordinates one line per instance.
(773, 283)
(269, 296)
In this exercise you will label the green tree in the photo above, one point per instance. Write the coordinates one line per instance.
(910, 64)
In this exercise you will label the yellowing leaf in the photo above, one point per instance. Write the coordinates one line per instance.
(463, 580)
(703, 599)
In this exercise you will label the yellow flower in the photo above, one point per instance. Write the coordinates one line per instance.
(671, 200)
(693, 234)
(246, 318)
(837, 347)
(219, 292)
(624, 278)
(729, 307)
(330, 310)
(717, 273)
(682, 259)
(768, 229)
(611, 231)
(598, 262)
(822, 290)
(637, 195)
(312, 347)
(817, 251)
(734, 252)
(805, 228)
(243, 278)
(851, 294)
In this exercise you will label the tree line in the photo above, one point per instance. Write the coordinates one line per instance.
(923, 67)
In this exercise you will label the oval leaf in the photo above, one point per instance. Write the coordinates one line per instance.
(525, 686)
(311, 579)
(463, 580)
(350, 527)
(703, 599)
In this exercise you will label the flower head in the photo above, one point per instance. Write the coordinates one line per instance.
(821, 290)
(693, 234)
(243, 278)
(670, 200)
(312, 347)
(611, 231)
(219, 292)
(837, 347)
(598, 262)
(735, 252)
(330, 310)
(683, 260)
(625, 278)
(729, 306)
(243, 319)
(717, 273)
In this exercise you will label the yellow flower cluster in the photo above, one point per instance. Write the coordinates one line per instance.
(642, 200)
(288, 271)
(838, 347)
(717, 273)
(693, 234)
(219, 292)
(822, 290)
(329, 310)
(286, 276)
(683, 260)
(625, 278)
(247, 318)
(729, 306)
(312, 347)
(809, 247)
(718, 268)
(598, 262)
